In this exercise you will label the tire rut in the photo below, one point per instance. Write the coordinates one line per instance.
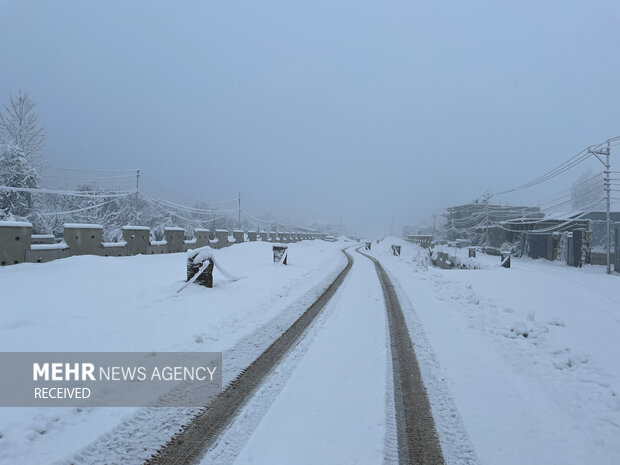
(418, 442)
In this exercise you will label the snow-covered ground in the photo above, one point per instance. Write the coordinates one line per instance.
(90, 303)
(520, 364)
(527, 355)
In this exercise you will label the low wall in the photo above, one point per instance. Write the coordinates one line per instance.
(18, 244)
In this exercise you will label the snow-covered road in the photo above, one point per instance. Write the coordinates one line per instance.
(333, 397)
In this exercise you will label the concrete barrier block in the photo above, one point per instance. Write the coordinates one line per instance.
(157, 247)
(137, 239)
(114, 249)
(202, 237)
(84, 239)
(222, 238)
(175, 238)
(238, 236)
(42, 239)
(252, 236)
(41, 253)
(15, 239)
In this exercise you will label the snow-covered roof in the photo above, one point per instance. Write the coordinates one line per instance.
(173, 228)
(137, 228)
(15, 224)
(201, 230)
(81, 226)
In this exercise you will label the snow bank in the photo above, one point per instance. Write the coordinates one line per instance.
(528, 355)
(416, 256)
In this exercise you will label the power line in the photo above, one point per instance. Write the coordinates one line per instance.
(89, 170)
(78, 210)
(568, 164)
(65, 193)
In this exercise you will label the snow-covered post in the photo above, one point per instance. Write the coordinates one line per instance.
(252, 236)
(273, 236)
(280, 254)
(580, 252)
(505, 259)
(264, 236)
(200, 268)
(238, 235)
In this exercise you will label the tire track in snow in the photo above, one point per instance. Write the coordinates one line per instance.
(418, 442)
(189, 445)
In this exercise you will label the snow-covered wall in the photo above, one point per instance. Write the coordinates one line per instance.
(17, 245)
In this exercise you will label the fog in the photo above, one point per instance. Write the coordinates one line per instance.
(369, 112)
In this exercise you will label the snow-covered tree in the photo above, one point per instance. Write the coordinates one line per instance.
(585, 190)
(19, 126)
(16, 171)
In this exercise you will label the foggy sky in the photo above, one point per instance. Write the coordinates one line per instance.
(320, 110)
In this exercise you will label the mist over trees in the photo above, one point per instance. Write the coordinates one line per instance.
(22, 140)
(584, 192)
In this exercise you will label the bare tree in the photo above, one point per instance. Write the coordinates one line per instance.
(586, 190)
(19, 125)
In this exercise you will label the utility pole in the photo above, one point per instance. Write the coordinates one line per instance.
(136, 196)
(607, 188)
(239, 209)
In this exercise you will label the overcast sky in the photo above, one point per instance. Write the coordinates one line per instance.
(369, 111)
